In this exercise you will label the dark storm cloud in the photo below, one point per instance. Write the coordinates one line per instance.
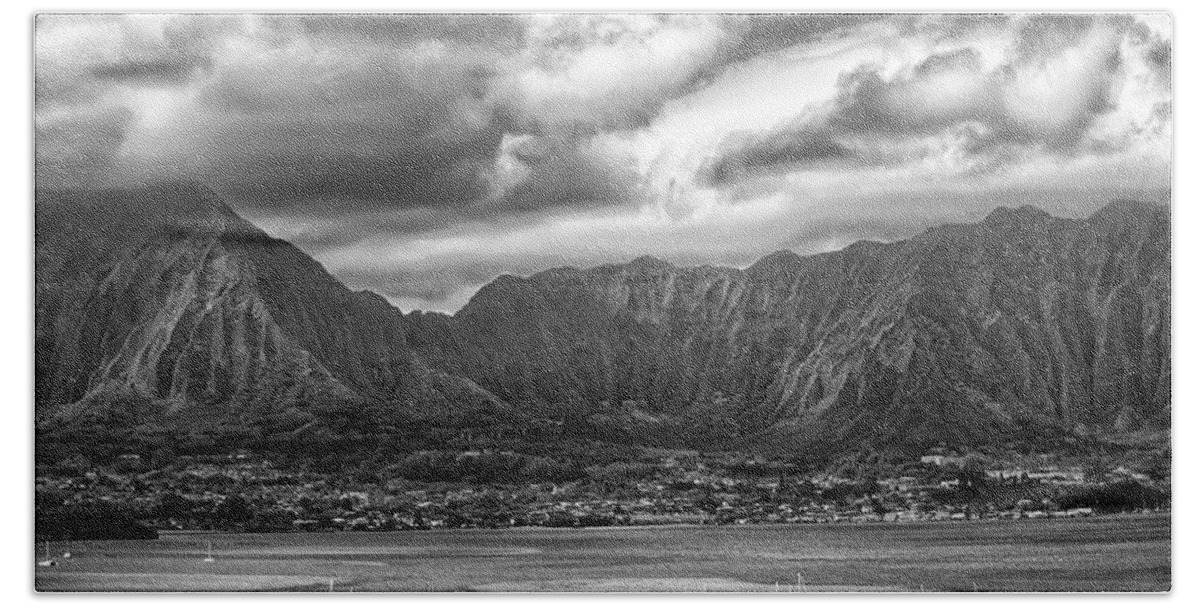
(339, 182)
(329, 110)
(419, 154)
(368, 135)
(792, 147)
(766, 33)
(505, 31)
(152, 72)
(328, 113)
(130, 53)
(81, 150)
(368, 126)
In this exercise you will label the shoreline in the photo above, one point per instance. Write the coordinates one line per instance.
(683, 525)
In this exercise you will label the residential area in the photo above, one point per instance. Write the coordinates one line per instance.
(248, 492)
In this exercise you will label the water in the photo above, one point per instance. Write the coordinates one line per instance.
(1128, 553)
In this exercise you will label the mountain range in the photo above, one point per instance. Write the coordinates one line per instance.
(162, 298)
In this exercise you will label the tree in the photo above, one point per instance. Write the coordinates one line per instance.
(90, 521)
(173, 506)
(233, 511)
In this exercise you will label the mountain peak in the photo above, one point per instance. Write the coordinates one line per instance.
(1024, 213)
(780, 259)
(647, 262)
(183, 207)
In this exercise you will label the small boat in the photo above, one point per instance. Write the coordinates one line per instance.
(46, 563)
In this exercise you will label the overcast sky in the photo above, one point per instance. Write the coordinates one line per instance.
(421, 156)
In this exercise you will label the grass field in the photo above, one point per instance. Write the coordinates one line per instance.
(1127, 553)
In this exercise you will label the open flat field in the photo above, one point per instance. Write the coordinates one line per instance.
(1127, 553)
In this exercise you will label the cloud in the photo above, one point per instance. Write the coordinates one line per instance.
(1061, 74)
(591, 73)
(289, 125)
(331, 113)
(81, 147)
(79, 53)
(422, 155)
(441, 269)
(545, 172)
(767, 33)
(494, 30)
(94, 75)
(790, 147)
(152, 72)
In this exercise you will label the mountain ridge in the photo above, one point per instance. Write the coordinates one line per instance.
(904, 289)
(964, 333)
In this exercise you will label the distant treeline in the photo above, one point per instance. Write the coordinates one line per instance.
(89, 521)
(1116, 497)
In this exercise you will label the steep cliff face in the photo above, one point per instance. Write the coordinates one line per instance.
(165, 292)
(957, 334)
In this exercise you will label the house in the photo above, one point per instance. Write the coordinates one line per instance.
(941, 460)
(1054, 475)
(1004, 474)
(1124, 472)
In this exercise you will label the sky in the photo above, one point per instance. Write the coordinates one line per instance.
(420, 156)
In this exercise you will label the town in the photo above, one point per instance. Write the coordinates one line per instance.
(246, 492)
